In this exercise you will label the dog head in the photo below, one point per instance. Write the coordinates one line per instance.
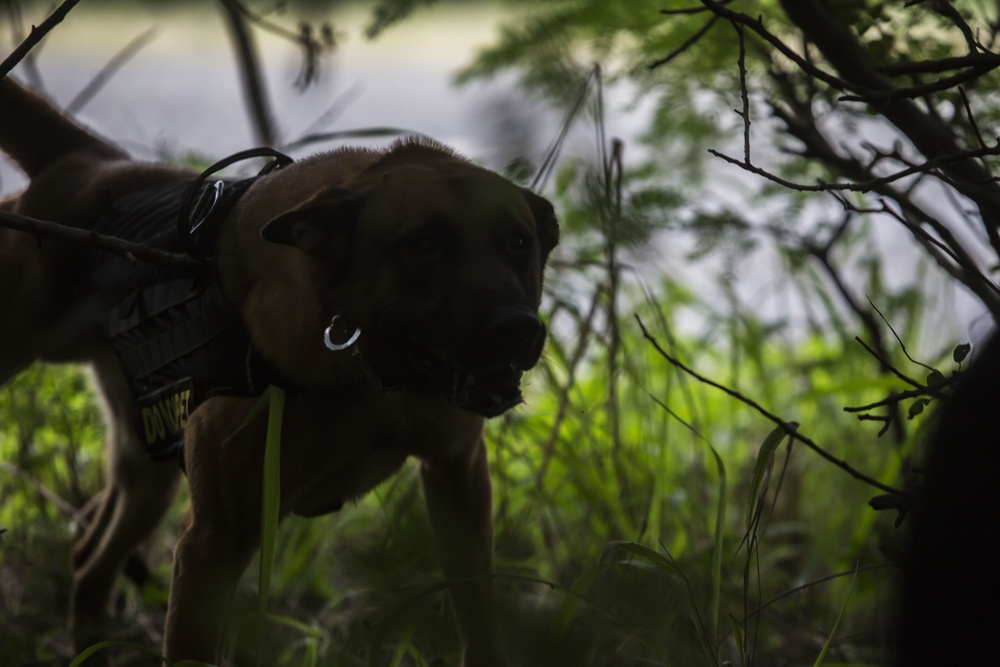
(439, 264)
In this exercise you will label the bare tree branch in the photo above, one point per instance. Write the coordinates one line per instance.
(312, 46)
(688, 43)
(872, 184)
(739, 18)
(866, 81)
(972, 60)
(930, 136)
(253, 81)
(912, 92)
(127, 249)
(29, 63)
(788, 427)
(35, 36)
(110, 69)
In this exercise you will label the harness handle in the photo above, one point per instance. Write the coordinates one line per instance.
(216, 200)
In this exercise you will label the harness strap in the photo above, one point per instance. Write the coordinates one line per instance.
(159, 298)
(201, 324)
(197, 228)
(177, 337)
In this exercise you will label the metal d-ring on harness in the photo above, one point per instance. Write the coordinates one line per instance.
(175, 334)
(197, 228)
(352, 338)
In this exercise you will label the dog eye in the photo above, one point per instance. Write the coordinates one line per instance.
(425, 245)
(517, 243)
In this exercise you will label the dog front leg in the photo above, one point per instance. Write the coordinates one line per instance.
(223, 530)
(207, 569)
(459, 500)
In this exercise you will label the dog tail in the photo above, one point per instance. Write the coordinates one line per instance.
(34, 134)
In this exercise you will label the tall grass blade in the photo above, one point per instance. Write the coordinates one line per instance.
(84, 655)
(720, 518)
(271, 502)
(833, 630)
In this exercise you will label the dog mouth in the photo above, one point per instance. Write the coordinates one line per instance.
(489, 390)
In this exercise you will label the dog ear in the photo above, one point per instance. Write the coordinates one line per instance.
(315, 225)
(546, 224)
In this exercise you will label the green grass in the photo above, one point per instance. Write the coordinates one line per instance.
(643, 517)
(653, 544)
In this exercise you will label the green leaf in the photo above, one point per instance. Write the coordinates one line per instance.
(659, 560)
(764, 457)
(917, 407)
(961, 352)
(738, 634)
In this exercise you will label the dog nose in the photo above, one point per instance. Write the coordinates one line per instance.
(515, 336)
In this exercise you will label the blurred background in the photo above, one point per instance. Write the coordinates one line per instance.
(644, 517)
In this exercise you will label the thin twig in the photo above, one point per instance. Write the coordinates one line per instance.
(58, 501)
(611, 223)
(335, 110)
(947, 251)
(312, 47)
(972, 119)
(30, 63)
(104, 75)
(689, 10)
(585, 331)
(822, 254)
(719, 9)
(842, 48)
(551, 155)
(902, 345)
(939, 65)
(127, 249)
(741, 62)
(927, 167)
(789, 428)
(946, 10)
(808, 585)
(892, 369)
(903, 395)
(35, 36)
(688, 43)
(912, 92)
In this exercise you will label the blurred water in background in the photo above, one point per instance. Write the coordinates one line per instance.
(180, 97)
(180, 94)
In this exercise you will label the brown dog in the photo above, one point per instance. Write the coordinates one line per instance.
(393, 294)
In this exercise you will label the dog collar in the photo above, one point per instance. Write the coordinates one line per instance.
(198, 227)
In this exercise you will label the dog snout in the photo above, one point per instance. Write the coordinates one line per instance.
(516, 337)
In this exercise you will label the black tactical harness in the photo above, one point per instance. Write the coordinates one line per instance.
(177, 337)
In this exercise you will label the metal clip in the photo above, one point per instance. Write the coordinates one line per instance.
(337, 347)
(206, 204)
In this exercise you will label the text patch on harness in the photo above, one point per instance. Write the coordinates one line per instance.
(177, 337)
(164, 413)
